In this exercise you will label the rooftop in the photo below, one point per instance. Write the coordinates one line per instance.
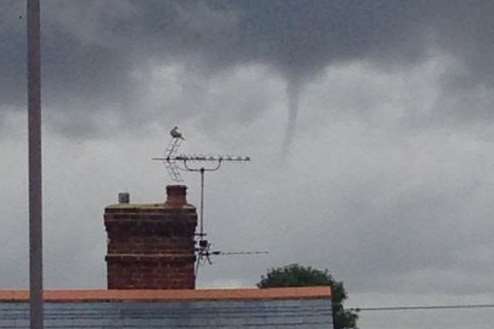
(302, 308)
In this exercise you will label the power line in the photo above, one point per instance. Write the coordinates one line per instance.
(420, 307)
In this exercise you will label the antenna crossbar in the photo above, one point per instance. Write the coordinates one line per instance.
(229, 253)
(204, 254)
(194, 157)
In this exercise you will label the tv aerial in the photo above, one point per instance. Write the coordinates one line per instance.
(198, 163)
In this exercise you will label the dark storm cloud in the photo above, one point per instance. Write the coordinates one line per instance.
(12, 46)
(92, 47)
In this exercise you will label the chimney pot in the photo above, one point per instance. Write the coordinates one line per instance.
(123, 197)
(176, 195)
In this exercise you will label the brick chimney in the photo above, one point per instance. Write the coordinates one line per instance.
(151, 246)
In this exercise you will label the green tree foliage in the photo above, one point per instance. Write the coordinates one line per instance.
(299, 276)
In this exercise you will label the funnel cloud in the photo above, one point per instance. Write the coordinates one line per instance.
(293, 94)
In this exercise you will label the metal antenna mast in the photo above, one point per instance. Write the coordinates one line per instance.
(214, 162)
(217, 162)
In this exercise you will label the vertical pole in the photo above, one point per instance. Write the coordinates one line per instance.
(35, 186)
(202, 203)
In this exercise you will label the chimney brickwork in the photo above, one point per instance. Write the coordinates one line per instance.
(151, 246)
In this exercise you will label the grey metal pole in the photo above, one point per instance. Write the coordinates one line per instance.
(202, 203)
(35, 184)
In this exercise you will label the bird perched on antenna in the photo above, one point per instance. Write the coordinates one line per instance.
(176, 134)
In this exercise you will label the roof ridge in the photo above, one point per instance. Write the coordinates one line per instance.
(170, 295)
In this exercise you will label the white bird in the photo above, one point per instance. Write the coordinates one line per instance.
(176, 134)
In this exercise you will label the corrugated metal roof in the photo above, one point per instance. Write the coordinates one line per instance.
(169, 295)
(302, 313)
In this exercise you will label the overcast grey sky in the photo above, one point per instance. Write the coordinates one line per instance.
(369, 124)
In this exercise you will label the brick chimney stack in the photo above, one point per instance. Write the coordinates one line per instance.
(151, 246)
